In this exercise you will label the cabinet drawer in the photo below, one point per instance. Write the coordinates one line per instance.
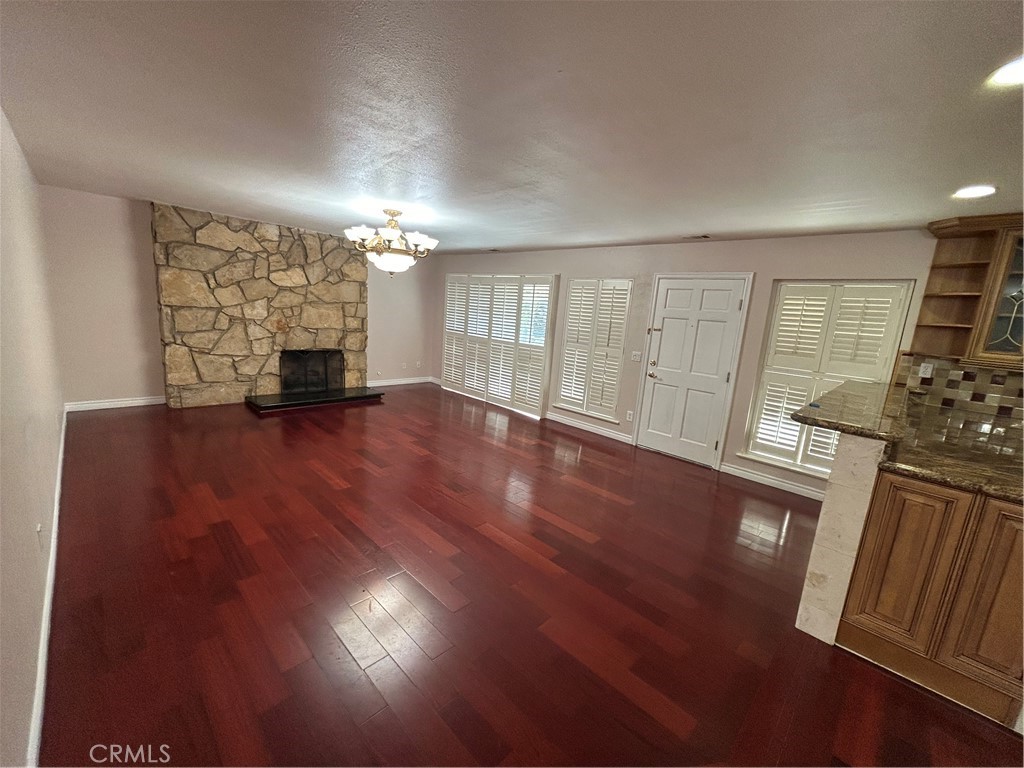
(912, 534)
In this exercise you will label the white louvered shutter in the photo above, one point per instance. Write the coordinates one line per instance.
(530, 373)
(455, 298)
(528, 389)
(579, 337)
(478, 321)
(595, 332)
(453, 355)
(504, 327)
(798, 331)
(609, 337)
(863, 333)
(819, 445)
(478, 329)
(453, 364)
(774, 433)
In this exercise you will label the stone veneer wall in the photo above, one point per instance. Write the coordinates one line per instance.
(233, 293)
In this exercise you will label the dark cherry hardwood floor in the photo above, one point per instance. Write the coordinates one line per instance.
(434, 581)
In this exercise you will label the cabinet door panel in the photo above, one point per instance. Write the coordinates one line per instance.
(983, 637)
(911, 537)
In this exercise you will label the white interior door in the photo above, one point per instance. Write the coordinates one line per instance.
(687, 380)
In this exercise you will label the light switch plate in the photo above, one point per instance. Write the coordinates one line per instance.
(926, 370)
(636, 357)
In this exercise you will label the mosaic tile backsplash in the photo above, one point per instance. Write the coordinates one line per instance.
(983, 391)
(972, 411)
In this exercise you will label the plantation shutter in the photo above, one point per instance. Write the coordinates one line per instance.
(532, 348)
(821, 335)
(798, 332)
(819, 445)
(478, 329)
(497, 338)
(595, 332)
(579, 335)
(609, 337)
(504, 326)
(864, 331)
(775, 434)
(453, 357)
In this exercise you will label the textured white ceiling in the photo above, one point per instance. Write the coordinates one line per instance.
(525, 124)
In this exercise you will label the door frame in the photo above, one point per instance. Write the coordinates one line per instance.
(730, 387)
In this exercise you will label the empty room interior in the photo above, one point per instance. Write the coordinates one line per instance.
(511, 383)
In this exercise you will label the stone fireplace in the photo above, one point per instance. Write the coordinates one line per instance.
(234, 293)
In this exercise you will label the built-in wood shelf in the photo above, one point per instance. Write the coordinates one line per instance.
(957, 294)
(959, 264)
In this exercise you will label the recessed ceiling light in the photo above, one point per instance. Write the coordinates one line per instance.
(1009, 74)
(976, 190)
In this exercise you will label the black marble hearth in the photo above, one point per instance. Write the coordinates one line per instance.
(312, 377)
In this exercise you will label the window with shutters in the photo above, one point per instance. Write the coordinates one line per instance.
(497, 338)
(821, 335)
(592, 349)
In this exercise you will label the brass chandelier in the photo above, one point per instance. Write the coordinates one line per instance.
(389, 248)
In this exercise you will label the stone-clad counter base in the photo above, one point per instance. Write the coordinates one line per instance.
(837, 538)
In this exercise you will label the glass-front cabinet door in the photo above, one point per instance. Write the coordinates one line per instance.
(1000, 327)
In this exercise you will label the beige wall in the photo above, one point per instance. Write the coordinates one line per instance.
(31, 410)
(103, 287)
(404, 322)
(883, 255)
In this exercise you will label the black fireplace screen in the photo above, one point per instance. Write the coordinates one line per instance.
(312, 370)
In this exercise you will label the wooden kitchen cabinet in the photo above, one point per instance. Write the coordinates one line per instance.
(936, 592)
(910, 543)
(983, 637)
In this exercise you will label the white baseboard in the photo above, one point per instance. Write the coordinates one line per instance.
(35, 728)
(774, 482)
(628, 439)
(124, 402)
(394, 382)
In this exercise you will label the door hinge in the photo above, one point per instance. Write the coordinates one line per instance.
(648, 331)
(741, 303)
(727, 376)
(716, 445)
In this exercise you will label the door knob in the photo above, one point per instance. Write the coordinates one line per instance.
(652, 375)
(654, 362)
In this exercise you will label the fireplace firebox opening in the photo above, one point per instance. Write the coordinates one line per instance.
(310, 371)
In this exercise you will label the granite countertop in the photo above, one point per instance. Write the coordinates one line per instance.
(951, 446)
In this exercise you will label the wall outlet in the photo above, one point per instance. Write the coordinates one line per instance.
(926, 370)
(636, 357)
(629, 415)
(404, 366)
(419, 363)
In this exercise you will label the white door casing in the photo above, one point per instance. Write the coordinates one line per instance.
(689, 368)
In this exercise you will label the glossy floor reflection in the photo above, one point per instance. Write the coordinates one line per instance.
(433, 581)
